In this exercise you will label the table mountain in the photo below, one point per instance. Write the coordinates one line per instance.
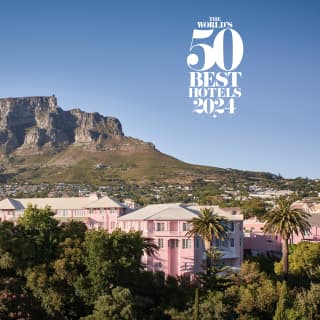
(31, 123)
(40, 142)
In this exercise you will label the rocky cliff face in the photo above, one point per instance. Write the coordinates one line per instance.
(34, 123)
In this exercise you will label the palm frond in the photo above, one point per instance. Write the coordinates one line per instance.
(149, 246)
(285, 220)
(208, 225)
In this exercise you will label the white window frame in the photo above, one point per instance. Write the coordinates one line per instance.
(186, 243)
(160, 243)
(160, 226)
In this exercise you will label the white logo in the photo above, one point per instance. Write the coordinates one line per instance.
(215, 91)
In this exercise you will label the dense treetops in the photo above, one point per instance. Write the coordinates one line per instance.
(63, 271)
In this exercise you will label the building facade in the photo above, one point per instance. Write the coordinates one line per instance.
(94, 212)
(256, 242)
(179, 253)
(167, 224)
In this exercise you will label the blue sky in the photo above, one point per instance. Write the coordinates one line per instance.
(128, 59)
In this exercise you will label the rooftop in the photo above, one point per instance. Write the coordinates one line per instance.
(59, 203)
(167, 211)
(230, 213)
(175, 211)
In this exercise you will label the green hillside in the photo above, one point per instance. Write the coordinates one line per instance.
(131, 160)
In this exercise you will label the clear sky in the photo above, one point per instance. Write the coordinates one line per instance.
(128, 59)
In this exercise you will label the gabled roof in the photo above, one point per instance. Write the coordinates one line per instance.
(59, 203)
(10, 204)
(104, 202)
(168, 211)
(225, 212)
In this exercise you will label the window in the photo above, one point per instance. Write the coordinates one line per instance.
(160, 243)
(234, 212)
(173, 226)
(79, 213)
(231, 242)
(186, 243)
(231, 226)
(101, 210)
(160, 226)
(111, 210)
(221, 243)
(197, 243)
(224, 243)
(174, 243)
(185, 226)
(269, 241)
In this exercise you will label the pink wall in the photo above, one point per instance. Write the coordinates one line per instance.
(105, 218)
(259, 243)
(177, 254)
(314, 235)
(256, 242)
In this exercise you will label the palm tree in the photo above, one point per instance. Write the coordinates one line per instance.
(208, 225)
(149, 246)
(285, 221)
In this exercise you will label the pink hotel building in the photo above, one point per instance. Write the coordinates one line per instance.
(167, 224)
(256, 242)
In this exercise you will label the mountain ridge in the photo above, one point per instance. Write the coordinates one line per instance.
(41, 142)
(32, 123)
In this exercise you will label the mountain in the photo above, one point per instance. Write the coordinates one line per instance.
(40, 142)
(31, 123)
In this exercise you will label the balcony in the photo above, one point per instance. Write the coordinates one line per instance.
(228, 253)
(167, 233)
